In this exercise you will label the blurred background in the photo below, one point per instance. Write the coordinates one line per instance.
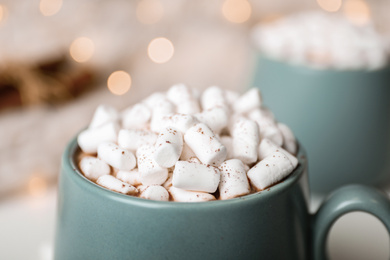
(60, 59)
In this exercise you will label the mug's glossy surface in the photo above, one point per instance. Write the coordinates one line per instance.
(342, 118)
(95, 223)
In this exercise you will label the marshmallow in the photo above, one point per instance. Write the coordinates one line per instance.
(180, 122)
(194, 160)
(195, 177)
(161, 108)
(132, 139)
(93, 167)
(168, 183)
(289, 141)
(186, 153)
(89, 139)
(246, 139)
(137, 116)
(272, 133)
(270, 170)
(112, 183)
(248, 101)
(150, 172)
(216, 118)
(234, 182)
(231, 96)
(263, 117)
(103, 114)
(169, 145)
(151, 100)
(205, 145)
(267, 147)
(117, 157)
(227, 141)
(130, 177)
(213, 97)
(183, 98)
(181, 195)
(155, 192)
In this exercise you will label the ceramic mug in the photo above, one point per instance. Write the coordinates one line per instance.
(96, 223)
(342, 118)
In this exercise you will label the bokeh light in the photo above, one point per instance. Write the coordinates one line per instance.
(160, 50)
(149, 11)
(237, 11)
(37, 186)
(357, 11)
(50, 7)
(330, 5)
(3, 13)
(82, 49)
(119, 82)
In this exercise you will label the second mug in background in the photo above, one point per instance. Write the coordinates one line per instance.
(342, 117)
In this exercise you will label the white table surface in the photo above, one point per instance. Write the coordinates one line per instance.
(27, 231)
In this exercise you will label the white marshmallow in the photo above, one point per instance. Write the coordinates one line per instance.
(89, 139)
(267, 147)
(263, 117)
(189, 107)
(169, 145)
(161, 108)
(137, 116)
(180, 122)
(231, 96)
(205, 145)
(246, 139)
(131, 177)
(117, 157)
(112, 183)
(168, 183)
(234, 182)
(150, 172)
(186, 153)
(271, 170)
(181, 195)
(195, 177)
(155, 192)
(227, 141)
(272, 133)
(216, 118)
(289, 141)
(93, 167)
(194, 160)
(151, 100)
(213, 97)
(104, 114)
(183, 98)
(142, 188)
(132, 139)
(248, 101)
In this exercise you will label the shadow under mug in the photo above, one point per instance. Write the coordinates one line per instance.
(96, 223)
(342, 118)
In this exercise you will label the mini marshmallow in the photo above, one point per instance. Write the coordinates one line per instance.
(263, 117)
(194, 160)
(180, 122)
(93, 167)
(213, 97)
(246, 139)
(132, 139)
(231, 96)
(161, 108)
(195, 177)
(169, 145)
(216, 118)
(186, 153)
(150, 172)
(180, 195)
(112, 183)
(153, 99)
(227, 141)
(117, 157)
(234, 182)
(248, 101)
(183, 98)
(272, 133)
(267, 147)
(103, 114)
(168, 183)
(130, 177)
(155, 192)
(89, 139)
(137, 116)
(270, 170)
(289, 141)
(205, 145)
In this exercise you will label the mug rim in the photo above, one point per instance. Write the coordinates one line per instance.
(70, 167)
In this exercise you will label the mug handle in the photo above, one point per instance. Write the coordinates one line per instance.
(344, 200)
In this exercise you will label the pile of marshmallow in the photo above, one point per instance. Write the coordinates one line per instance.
(323, 40)
(187, 146)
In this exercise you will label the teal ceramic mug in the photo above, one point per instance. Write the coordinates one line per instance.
(342, 118)
(95, 223)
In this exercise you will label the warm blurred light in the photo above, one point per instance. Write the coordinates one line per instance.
(330, 5)
(149, 11)
(50, 7)
(82, 49)
(270, 18)
(357, 11)
(237, 11)
(37, 186)
(119, 82)
(160, 50)
(3, 13)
